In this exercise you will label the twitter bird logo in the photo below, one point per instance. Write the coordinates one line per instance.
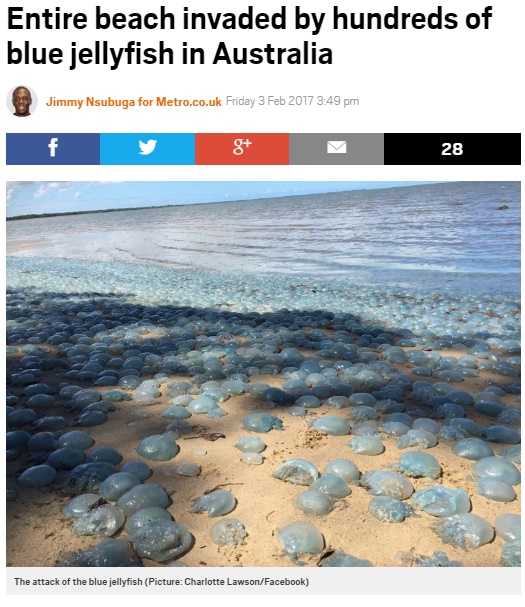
(147, 148)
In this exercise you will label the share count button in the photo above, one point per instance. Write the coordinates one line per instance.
(453, 149)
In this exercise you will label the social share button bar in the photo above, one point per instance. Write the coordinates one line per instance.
(52, 148)
(242, 148)
(337, 148)
(147, 148)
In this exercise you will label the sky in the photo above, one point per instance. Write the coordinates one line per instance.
(37, 197)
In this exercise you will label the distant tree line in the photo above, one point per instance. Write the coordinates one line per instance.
(38, 215)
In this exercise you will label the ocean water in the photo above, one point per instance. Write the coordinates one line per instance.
(449, 235)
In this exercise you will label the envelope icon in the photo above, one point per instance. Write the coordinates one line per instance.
(336, 147)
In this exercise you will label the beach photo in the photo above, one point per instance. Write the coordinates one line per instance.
(263, 374)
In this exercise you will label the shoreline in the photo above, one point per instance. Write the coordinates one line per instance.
(298, 286)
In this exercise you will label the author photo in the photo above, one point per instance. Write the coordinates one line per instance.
(21, 102)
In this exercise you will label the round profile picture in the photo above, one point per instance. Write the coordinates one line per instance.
(22, 101)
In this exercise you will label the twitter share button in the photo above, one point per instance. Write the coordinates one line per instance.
(147, 148)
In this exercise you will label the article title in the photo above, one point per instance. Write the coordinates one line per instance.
(102, 52)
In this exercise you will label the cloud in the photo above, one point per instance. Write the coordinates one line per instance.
(52, 186)
(40, 193)
(12, 187)
(18, 184)
(96, 183)
(42, 187)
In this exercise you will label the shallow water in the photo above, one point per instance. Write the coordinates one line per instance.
(440, 235)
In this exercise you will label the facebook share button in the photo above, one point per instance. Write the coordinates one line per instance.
(52, 148)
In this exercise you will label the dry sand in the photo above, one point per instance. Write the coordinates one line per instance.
(37, 530)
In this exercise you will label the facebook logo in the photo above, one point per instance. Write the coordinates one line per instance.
(52, 145)
(52, 148)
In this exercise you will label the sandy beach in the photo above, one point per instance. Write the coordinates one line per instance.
(264, 504)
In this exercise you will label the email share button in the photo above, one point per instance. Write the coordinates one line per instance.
(337, 148)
